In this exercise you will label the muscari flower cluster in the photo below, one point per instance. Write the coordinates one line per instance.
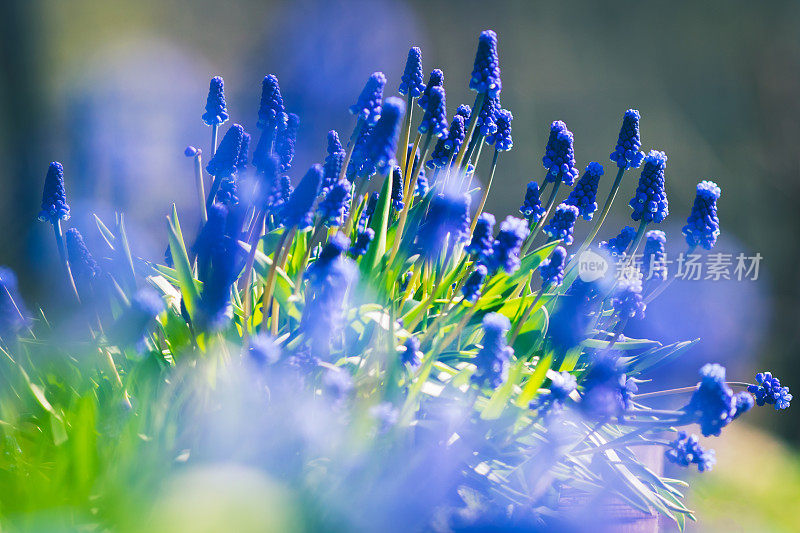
(311, 313)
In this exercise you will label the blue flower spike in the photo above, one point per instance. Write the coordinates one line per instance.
(702, 226)
(412, 82)
(216, 110)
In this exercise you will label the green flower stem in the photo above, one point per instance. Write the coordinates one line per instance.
(319, 230)
(198, 179)
(62, 254)
(401, 222)
(212, 192)
(598, 220)
(684, 390)
(474, 163)
(214, 137)
(351, 146)
(414, 316)
(357, 200)
(540, 224)
(526, 315)
(473, 119)
(248, 268)
(485, 194)
(405, 133)
(409, 166)
(281, 253)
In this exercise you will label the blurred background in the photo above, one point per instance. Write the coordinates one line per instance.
(114, 90)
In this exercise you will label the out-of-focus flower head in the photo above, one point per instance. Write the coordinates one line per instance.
(132, 325)
(13, 314)
(628, 300)
(224, 162)
(486, 69)
(412, 82)
(649, 203)
(216, 110)
(685, 450)
(411, 354)
(507, 245)
(298, 210)
(263, 350)
(712, 405)
(363, 240)
(552, 268)
(474, 282)
(492, 359)
(626, 154)
(285, 141)
(584, 195)
(702, 226)
(84, 268)
(397, 189)
(480, 247)
(334, 206)
(607, 391)
(382, 141)
(448, 213)
(54, 195)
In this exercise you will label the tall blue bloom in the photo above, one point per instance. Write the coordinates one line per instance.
(501, 138)
(713, 404)
(486, 125)
(84, 268)
(628, 300)
(650, 201)
(270, 110)
(435, 79)
(562, 385)
(507, 245)
(333, 161)
(13, 314)
(366, 213)
(620, 243)
(54, 195)
(329, 278)
(770, 391)
(368, 106)
(268, 194)
(243, 158)
(397, 189)
(382, 143)
(216, 111)
(492, 359)
(532, 208)
(334, 206)
(685, 450)
(655, 257)
(608, 392)
(363, 240)
(412, 82)
(626, 154)
(218, 268)
(464, 111)
(299, 207)
(474, 283)
(584, 195)
(480, 247)
(552, 268)
(223, 163)
(562, 224)
(486, 70)
(446, 214)
(448, 146)
(702, 226)
(360, 165)
(285, 141)
(559, 155)
(434, 121)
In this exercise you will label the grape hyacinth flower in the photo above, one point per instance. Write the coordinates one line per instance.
(360, 165)
(655, 257)
(492, 359)
(333, 161)
(368, 106)
(271, 112)
(559, 155)
(85, 269)
(608, 392)
(435, 79)
(217, 254)
(501, 138)
(532, 208)
(474, 283)
(412, 82)
(620, 243)
(54, 195)
(486, 69)
(769, 391)
(228, 193)
(650, 201)
(686, 450)
(628, 302)
(507, 245)
(298, 210)
(562, 224)
(224, 162)
(397, 189)
(713, 404)
(382, 142)
(584, 195)
(363, 240)
(434, 121)
(422, 186)
(243, 157)
(285, 141)
(263, 350)
(464, 111)
(562, 385)
(216, 110)
(14, 315)
(268, 194)
(702, 226)
(366, 213)
(486, 123)
(481, 245)
(552, 268)
(744, 402)
(411, 354)
(333, 208)
(626, 154)
(448, 146)
(448, 213)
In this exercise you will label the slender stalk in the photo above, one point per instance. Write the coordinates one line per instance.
(214, 137)
(198, 179)
(281, 253)
(212, 192)
(319, 229)
(473, 119)
(485, 194)
(405, 133)
(525, 316)
(351, 146)
(407, 169)
(62, 253)
(401, 223)
(356, 202)
(248, 268)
